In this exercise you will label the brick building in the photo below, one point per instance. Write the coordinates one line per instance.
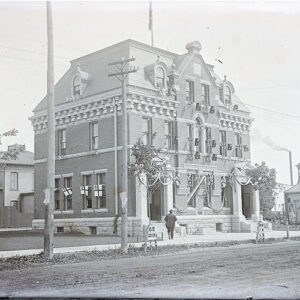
(175, 102)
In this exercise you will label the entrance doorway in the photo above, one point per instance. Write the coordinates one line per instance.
(246, 205)
(155, 205)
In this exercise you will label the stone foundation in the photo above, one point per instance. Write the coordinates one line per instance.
(196, 224)
(98, 226)
(205, 224)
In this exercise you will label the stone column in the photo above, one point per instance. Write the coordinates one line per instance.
(168, 201)
(256, 205)
(236, 206)
(141, 196)
(236, 197)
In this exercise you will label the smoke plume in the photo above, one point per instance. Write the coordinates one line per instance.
(267, 140)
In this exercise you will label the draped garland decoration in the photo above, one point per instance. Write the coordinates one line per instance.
(208, 189)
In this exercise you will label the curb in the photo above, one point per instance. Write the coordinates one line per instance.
(23, 253)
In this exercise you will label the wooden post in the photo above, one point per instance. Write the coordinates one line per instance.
(49, 192)
(116, 156)
(121, 74)
(124, 241)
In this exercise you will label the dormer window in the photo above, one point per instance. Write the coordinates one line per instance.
(227, 95)
(160, 78)
(76, 85)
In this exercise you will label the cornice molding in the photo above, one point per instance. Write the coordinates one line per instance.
(102, 108)
(234, 121)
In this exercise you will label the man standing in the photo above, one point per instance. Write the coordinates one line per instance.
(170, 224)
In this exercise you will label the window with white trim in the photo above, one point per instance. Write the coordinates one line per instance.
(76, 85)
(94, 135)
(198, 135)
(160, 78)
(62, 142)
(57, 194)
(190, 135)
(67, 190)
(223, 143)
(86, 192)
(14, 181)
(189, 91)
(169, 135)
(208, 142)
(100, 190)
(227, 95)
(205, 94)
(238, 145)
(147, 131)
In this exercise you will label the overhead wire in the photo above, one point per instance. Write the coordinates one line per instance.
(134, 80)
(248, 104)
(34, 52)
(29, 59)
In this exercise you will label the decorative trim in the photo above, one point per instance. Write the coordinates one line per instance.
(104, 210)
(188, 166)
(86, 172)
(235, 122)
(100, 171)
(67, 175)
(87, 211)
(99, 108)
(189, 121)
(67, 212)
(81, 154)
(202, 81)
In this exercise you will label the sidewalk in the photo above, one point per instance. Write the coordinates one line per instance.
(15, 229)
(189, 239)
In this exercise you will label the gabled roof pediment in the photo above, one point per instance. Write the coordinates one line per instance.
(193, 64)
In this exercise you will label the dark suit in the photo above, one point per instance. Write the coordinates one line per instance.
(170, 224)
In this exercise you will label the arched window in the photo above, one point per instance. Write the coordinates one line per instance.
(160, 77)
(76, 85)
(227, 95)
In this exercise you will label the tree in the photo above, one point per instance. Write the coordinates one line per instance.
(263, 179)
(149, 161)
(12, 153)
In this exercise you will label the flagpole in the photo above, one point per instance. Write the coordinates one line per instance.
(152, 43)
(150, 27)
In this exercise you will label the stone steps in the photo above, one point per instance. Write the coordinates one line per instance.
(161, 229)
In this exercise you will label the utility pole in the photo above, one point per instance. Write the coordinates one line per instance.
(122, 70)
(49, 191)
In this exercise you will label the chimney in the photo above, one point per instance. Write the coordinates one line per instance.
(298, 167)
(291, 167)
(16, 147)
(193, 47)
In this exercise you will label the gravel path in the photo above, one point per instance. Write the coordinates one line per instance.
(269, 271)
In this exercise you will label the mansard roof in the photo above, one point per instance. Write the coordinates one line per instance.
(95, 67)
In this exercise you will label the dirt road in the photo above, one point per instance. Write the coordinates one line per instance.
(271, 270)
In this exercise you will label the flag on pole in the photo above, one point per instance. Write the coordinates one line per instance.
(150, 16)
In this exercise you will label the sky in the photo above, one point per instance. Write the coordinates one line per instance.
(256, 41)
